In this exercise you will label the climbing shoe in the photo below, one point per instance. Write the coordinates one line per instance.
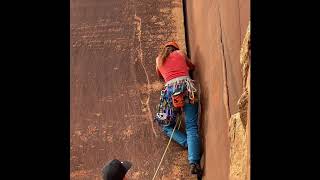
(195, 169)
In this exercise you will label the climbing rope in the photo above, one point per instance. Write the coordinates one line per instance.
(165, 151)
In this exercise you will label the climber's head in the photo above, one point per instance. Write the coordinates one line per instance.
(116, 170)
(171, 43)
(165, 50)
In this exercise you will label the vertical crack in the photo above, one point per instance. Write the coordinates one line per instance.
(137, 20)
(224, 69)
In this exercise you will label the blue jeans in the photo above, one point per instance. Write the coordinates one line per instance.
(191, 140)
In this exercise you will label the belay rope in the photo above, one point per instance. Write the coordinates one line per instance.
(165, 151)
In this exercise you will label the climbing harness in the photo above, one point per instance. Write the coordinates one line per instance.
(174, 95)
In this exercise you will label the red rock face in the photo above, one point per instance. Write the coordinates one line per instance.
(114, 88)
(216, 30)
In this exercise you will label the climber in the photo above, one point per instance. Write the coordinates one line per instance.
(116, 170)
(178, 93)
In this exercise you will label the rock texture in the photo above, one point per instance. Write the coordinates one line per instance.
(114, 88)
(216, 31)
(239, 128)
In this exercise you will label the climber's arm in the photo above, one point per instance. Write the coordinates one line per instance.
(188, 61)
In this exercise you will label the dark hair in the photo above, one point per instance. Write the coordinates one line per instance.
(164, 53)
